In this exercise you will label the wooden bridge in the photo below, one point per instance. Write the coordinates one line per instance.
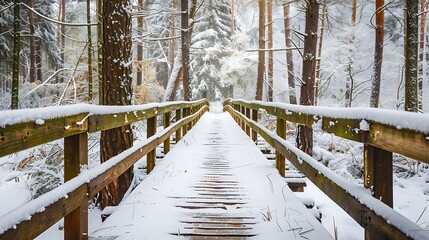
(214, 183)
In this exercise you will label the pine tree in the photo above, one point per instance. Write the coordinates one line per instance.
(411, 55)
(378, 53)
(116, 90)
(212, 35)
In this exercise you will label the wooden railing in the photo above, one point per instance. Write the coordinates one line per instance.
(381, 131)
(70, 200)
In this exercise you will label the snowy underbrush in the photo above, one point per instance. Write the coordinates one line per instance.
(35, 95)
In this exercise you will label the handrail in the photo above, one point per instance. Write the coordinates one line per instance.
(34, 217)
(29, 128)
(388, 129)
(377, 218)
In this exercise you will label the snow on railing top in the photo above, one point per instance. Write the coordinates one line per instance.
(10, 117)
(398, 119)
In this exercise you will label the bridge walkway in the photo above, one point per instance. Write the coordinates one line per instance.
(214, 184)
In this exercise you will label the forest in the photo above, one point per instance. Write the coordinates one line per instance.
(334, 53)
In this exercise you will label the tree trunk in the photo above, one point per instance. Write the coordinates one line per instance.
(349, 80)
(309, 70)
(139, 45)
(16, 55)
(319, 51)
(187, 93)
(99, 6)
(270, 53)
(117, 90)
(172, 42)
(261, 54)
(378, 53)
(62, 16)
(39, 60)
(232, 17)
(32, 47)
(421, 51)
(289, 56)
(411, 56)
(90, 50)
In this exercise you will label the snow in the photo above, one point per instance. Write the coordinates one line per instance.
(25, 211)
(39, 115)
(361, 194)
(216, 135)
(406, 120)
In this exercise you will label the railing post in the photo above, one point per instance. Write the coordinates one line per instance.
(280, 159)
(166, 125)
(378, 175)
(179, 130)
(185, 114)
(248, 116)
(243, 124)
(75, 156)
(151, 130)
(255, 119)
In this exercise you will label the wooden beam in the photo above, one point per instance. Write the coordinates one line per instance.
(166, 125)
(378, 175)
(76, 156)
(21, 136)
(280, 159)
(247, 111)
(151, 130)
(179, 130)
(254, 118)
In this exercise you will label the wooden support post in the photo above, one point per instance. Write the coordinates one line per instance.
(243, 111)
(254, 118)
(248, 116)
(166, 125)
(179, 130)
(185, 114)
(75, 156)
(378, 175)
(151, 130)
(280, 159)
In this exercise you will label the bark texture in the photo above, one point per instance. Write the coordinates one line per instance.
(289, 55)
(378, 53)
(16, 55)
(261, 54)
(187, 93)
(411, 55)
(116, 90)
(309, 70)
(270, 53)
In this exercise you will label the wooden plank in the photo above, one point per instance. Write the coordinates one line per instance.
(21, 136)
(75, 156)
(40, 222)
(407, 142)
(378, 175)
(166, 125)
(254, 118)
(247, 111)
(280, 159)
(151, 130)
(179, 130)
(99, 122)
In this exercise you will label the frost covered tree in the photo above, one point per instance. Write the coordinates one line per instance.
(212, 35)
(411, 55)
(117, 82)
(309, 70)
(378, 53)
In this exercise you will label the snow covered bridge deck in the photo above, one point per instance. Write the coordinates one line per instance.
(214, 183)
